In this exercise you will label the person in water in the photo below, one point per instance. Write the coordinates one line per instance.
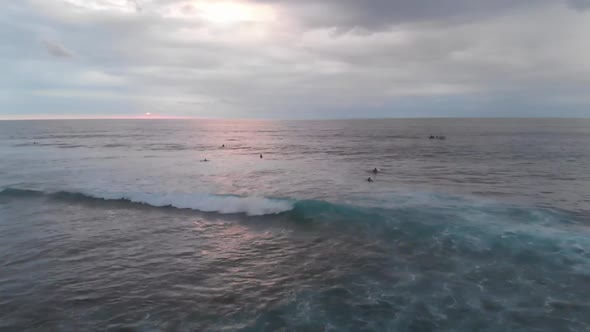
(370, 179)
(205, 160)
(223, 145)
(261, 156)
(375, 170)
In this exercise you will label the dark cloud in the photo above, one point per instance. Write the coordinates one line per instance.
(374, 14)
(56, 49)
(580, 4)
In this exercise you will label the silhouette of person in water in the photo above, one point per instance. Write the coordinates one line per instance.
(370, 179)
(375, 170)
(223, 145)
(261, 156)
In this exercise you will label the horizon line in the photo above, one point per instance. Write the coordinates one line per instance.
(285, 119)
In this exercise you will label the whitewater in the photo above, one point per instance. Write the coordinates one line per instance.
(117, 225)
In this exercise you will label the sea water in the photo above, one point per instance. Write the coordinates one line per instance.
(119, 225)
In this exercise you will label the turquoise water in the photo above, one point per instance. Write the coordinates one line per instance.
(117, 225)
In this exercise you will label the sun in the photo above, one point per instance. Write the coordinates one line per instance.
(226, 12)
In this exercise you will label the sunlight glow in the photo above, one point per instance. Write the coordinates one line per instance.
(221, 12)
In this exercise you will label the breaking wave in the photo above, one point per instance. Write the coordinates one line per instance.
(224, 204)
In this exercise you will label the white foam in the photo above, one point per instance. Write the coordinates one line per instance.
(251, 206)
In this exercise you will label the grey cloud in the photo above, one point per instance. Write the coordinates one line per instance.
(419, 57)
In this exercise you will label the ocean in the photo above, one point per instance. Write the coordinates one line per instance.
(119, 225)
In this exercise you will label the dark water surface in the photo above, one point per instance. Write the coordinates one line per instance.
(117, 225)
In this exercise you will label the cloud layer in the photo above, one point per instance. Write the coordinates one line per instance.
(295, 59)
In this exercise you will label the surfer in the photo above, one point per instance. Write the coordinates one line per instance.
(204, 160)
(370, 179)
(375, 170)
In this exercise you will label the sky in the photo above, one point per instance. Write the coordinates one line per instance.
(294, 59)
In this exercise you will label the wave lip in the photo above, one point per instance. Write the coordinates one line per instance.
(251, 206)
(224, 204)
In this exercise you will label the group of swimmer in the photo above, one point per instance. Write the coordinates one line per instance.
(375, 170)
(370, 179)
(223, 147)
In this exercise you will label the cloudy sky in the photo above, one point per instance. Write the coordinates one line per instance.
(294, 58)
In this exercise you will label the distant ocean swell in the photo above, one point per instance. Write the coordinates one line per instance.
(470, 234)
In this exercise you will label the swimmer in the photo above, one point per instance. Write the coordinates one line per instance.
(375, 170)
(261, 156)
(370, 179)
